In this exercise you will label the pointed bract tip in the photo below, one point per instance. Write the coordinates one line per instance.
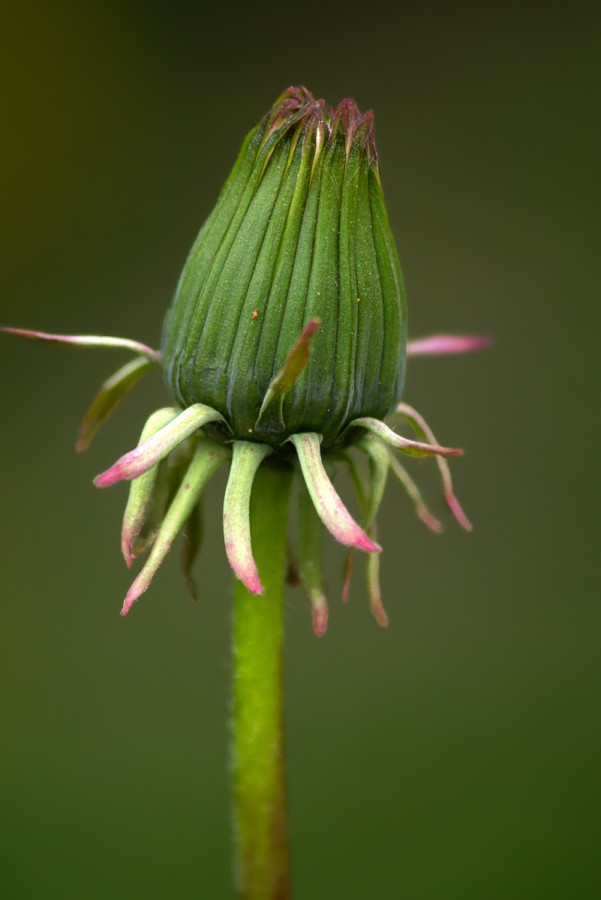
(357, 127)
(319, 618)
(448, 345)
(310, 328)
(363, 542)
(430, 521)
(298, 94)
(243, 566)
(379, 613)
(129, 601)
(86, 340)
(298, 105)
(127, 549)
(457, 510)
(138, 587)
(411, 448)
(328, 505)
(108, 478)
(253, 583)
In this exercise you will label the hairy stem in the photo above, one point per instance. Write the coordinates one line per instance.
(262, 865)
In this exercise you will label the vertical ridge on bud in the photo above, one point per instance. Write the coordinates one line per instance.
(178, 323)
(223, 297)
(323, 294)
(245, 382)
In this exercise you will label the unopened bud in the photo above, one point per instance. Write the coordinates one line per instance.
(299, 234)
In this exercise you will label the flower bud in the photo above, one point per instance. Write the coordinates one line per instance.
(299, 234)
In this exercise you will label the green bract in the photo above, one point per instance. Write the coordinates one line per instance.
(299, 233)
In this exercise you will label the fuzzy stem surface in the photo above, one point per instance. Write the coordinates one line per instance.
(262, 867)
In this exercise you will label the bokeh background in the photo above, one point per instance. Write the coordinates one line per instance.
(455, 755)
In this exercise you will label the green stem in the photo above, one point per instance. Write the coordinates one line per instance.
(260, 816)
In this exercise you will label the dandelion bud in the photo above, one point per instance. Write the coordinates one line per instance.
(299, 235)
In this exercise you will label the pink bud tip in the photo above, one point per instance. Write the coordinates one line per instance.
(253, 584)
(430, 521)
(126, 550)
(240, 559)
(320, 621)
(310, 328)
(456, 509)
(380, 613)
(448, 345)
(130, 599)
(108, 478)
(362, 542)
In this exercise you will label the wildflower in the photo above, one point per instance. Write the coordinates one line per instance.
(286, 341)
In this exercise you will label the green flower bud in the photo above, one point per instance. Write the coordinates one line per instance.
(299, 234)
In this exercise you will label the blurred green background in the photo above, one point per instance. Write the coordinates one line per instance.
(455, 755)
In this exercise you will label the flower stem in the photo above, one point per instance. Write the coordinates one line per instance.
(262, 865)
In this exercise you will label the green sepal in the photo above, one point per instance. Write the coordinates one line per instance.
(207, 458)
(271, 415)
(142, 489)
(108, 398)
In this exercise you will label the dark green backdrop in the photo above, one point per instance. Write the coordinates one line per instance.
(453, 756)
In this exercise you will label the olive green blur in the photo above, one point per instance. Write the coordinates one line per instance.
(299, 233)
(455, 755)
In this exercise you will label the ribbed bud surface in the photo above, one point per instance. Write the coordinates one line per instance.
(299, 232)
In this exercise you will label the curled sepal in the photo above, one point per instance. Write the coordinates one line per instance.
(148, 454)
(108, 399)
(236, 512)
(171, 471)
(162, 495)
(421, 510)
(142, 488)
(361, 492)
(422, 429)
(87, 340)
(411, 448)
(271, 414)
(310, 560)
(330, 508)
(372, 571)
(447, 344)
(379, 461)
(369, 498)
(207, 458)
